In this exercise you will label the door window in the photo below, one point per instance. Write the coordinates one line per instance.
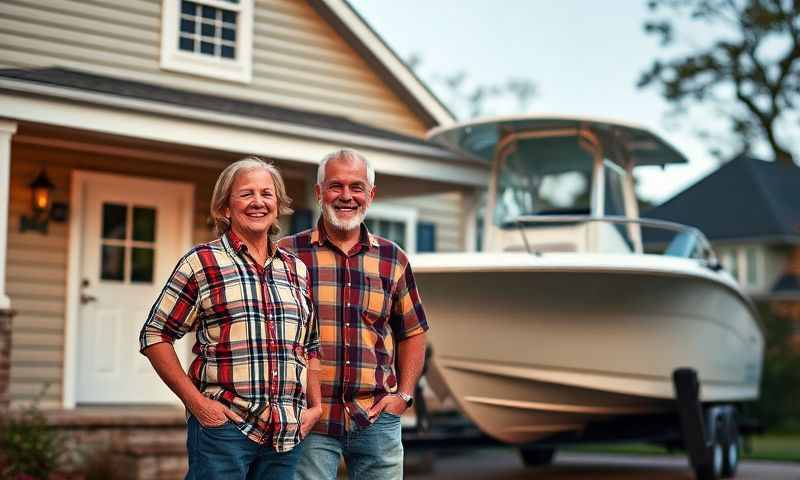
(127, 249)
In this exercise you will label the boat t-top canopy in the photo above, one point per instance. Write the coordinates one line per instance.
(623, 143)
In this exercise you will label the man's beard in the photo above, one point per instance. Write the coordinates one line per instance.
(329, 212)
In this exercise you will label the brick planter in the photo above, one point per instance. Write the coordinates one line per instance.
(5, 357)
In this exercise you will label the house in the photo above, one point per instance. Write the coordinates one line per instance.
(750, 211)
(130, 110)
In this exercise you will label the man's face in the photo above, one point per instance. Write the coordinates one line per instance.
(253, 205)
(345, 194)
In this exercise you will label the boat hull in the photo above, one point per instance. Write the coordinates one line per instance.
(532, 351)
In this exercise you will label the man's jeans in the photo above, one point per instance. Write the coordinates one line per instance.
(371, 453)
(223, 453)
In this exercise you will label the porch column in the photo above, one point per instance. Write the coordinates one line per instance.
(7, 130)
(469, 219)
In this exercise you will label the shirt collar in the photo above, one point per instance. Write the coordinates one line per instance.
(319, 236)
(235, 244)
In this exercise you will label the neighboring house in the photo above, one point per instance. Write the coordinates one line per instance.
(750, 211)
(132, 109)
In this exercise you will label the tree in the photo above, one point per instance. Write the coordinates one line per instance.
(750, 72)
(468, 99)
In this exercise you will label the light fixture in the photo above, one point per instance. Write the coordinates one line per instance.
(40, 187)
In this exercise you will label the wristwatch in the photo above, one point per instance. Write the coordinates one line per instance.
(406, 398)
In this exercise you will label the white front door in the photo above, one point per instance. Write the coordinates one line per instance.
(133, 232)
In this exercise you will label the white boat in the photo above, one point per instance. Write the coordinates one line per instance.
(577, 312)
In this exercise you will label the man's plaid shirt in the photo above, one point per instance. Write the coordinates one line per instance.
(256, 330)
(367, 302)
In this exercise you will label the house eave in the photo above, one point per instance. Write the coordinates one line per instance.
(69, 107)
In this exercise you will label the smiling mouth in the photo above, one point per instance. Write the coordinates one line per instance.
(256, 214)
(342, 209)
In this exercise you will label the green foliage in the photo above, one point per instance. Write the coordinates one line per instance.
(749, 72)
(780, 382)
(29, 449)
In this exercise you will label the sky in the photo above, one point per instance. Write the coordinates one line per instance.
(583, 56)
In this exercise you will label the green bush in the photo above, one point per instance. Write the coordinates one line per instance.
(29, 449)
(778, 408)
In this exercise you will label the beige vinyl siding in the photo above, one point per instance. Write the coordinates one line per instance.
(299, 61)
(444, 210)
(37, 264)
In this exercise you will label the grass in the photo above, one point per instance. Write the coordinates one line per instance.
(784, 447)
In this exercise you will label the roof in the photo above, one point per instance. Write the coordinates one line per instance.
(62, 77)
(744, 200)
(479, 138)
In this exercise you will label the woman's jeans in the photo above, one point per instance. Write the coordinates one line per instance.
(371, 453)
(224, 453)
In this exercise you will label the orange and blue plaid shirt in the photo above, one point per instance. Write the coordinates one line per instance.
(256, 330)
(367, 302)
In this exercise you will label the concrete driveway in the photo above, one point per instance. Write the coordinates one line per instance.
(504, 464)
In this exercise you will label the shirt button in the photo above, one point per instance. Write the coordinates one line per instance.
(348, 304)
(274, 372)
(348, 284)
(347, 362)
(346, 324)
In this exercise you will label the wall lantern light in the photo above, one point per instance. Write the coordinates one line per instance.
(40, 187)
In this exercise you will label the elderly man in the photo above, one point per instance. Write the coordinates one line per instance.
(372, 328)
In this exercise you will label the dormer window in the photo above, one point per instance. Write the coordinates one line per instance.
(208, 37)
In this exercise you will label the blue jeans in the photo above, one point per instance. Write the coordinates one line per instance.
(371, 453)
(224, 453)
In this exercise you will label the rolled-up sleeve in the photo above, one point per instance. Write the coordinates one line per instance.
(175, 311)
(408, 317)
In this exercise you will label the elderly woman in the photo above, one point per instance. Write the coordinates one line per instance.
(252, 393)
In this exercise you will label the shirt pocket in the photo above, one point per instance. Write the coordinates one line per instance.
(373, 300)
(293, 309)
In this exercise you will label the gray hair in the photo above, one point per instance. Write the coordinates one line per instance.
(349, 154)
(224, 185)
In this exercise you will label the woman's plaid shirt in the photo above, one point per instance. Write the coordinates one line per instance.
(256, 330)
(367, 301)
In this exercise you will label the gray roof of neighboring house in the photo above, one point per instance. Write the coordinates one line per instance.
(744, 200)
(67, 78)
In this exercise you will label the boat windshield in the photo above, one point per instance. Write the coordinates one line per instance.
(543, 176)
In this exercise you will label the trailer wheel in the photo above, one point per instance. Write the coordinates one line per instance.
(730, 445)
(537, 456)
(712, 465)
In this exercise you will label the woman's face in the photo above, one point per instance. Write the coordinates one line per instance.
(253, 204)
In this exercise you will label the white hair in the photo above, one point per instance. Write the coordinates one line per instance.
(349, 154)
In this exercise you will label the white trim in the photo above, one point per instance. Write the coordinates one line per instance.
(7, 130)
(397, 213)
(214, 117)
(232, 133)
(77, 198)
(398, 69)
(237, 70)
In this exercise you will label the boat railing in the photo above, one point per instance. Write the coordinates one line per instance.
(687, 241)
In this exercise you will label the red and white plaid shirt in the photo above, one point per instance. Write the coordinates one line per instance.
(366, 301)
(256, 330)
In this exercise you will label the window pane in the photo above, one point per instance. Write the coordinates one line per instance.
(228, 16)
(228, 52)
(208, 30)
(752, 266)
(187, 26)
(144, 224)
(426, 237)
(142, 261)
(209, 12)
(187, 44)
(114, 220)
(207, 48)
(229, 34)
(188, 8)
(112, 263)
